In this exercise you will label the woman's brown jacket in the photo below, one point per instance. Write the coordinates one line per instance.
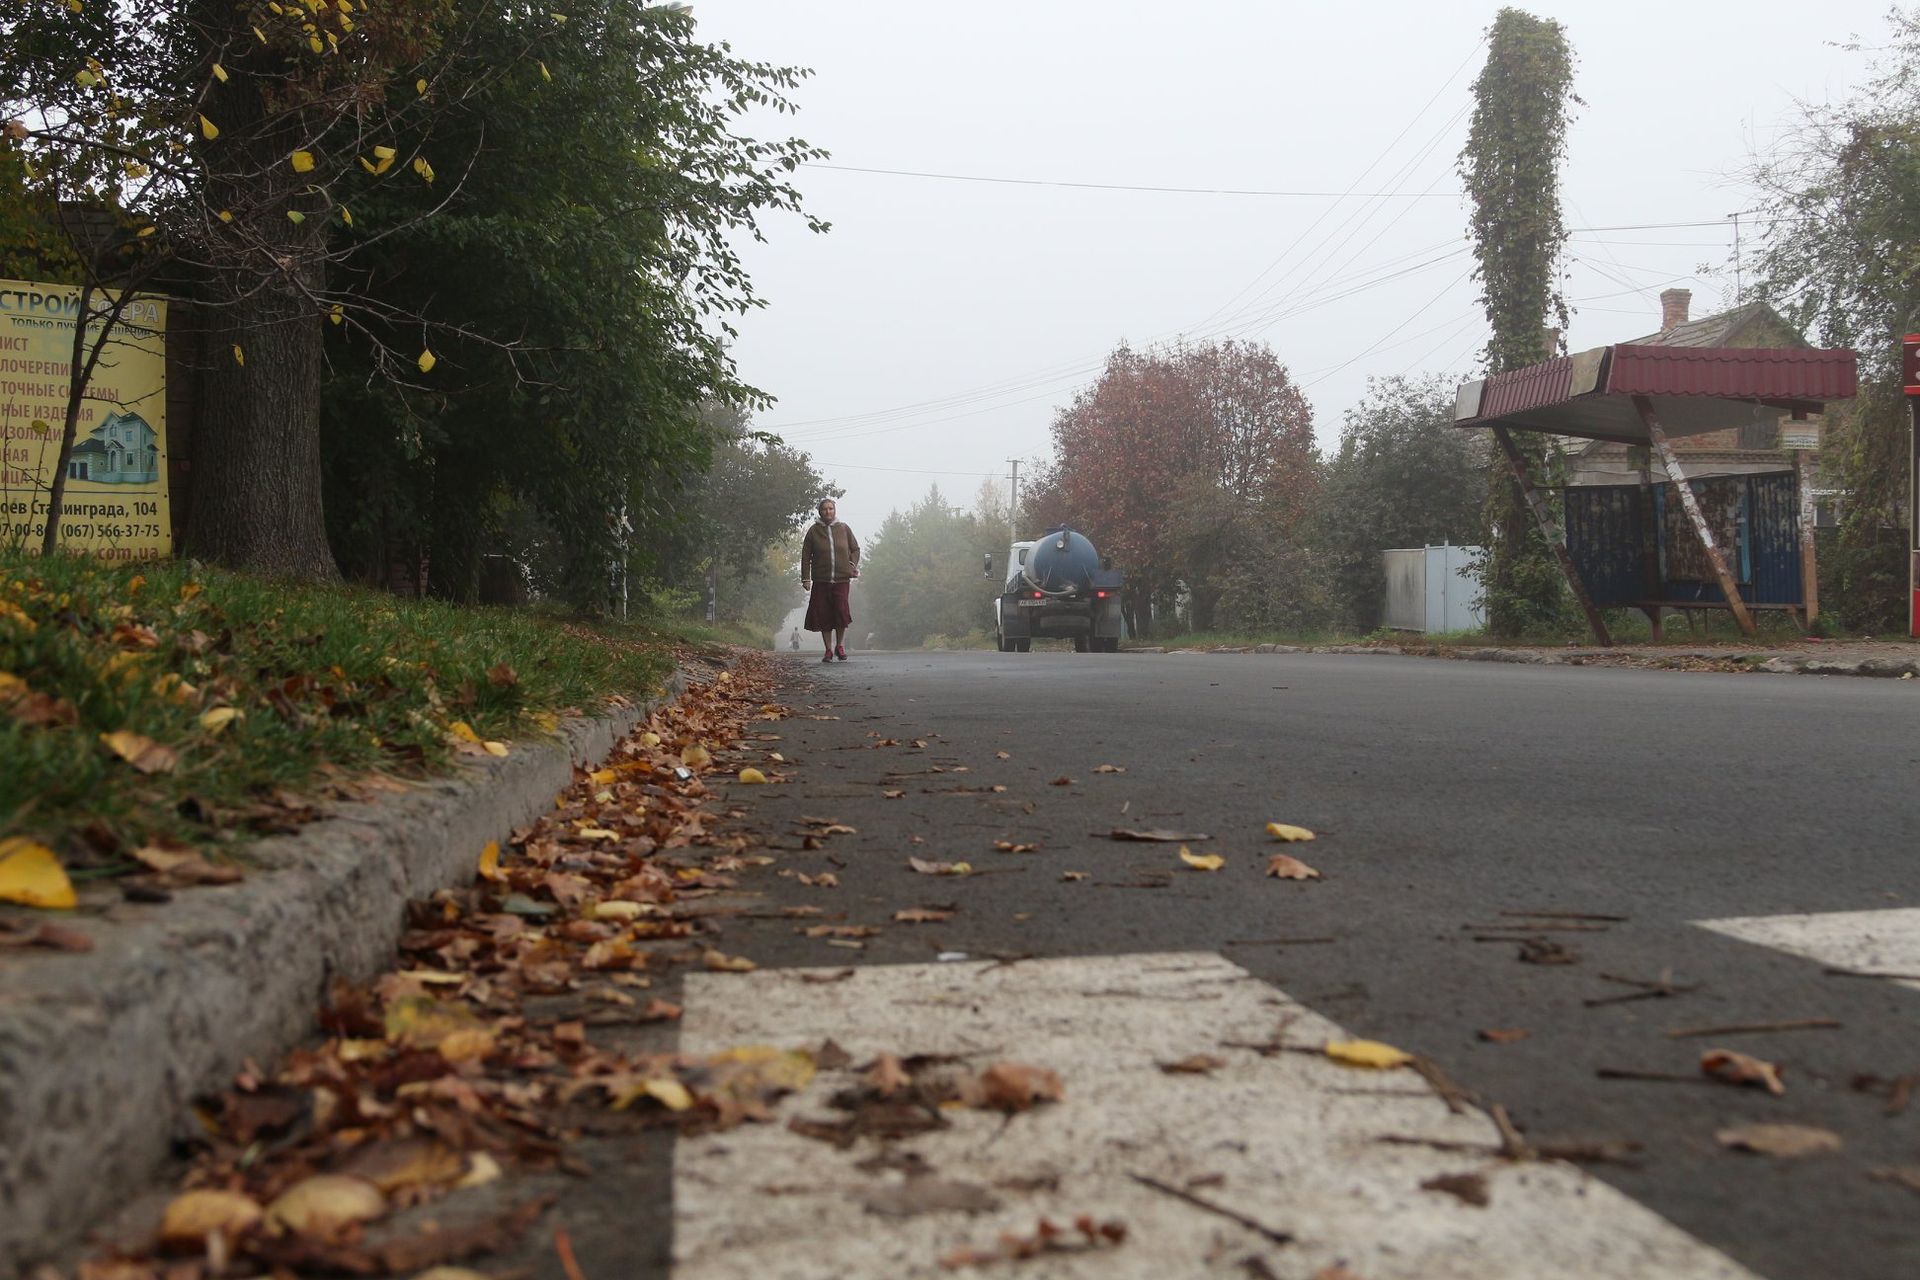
(829, 554)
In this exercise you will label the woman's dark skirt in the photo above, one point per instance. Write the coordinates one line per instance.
(828, 608)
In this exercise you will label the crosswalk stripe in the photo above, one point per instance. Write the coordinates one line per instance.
(1290, 1140)
(1880, 941)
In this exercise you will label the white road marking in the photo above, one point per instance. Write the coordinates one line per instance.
(1885, 941)
(1293, 1137)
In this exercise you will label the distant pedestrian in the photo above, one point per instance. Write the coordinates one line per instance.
(869, 643)
(829, 562)
(794, 640)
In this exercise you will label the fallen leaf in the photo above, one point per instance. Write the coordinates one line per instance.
(752, 775)
(839, 931)
(1284, 867)
(696, 756)
(1367, 1053)
(921, 915)
(1900, 1175)
(1284, 831)
(218, 718)
(1201, 861)
(893, 795)
(719, 962)
(1062, 781)
(1076, 875)
(916, 1196)
(1001, 755)
(1109, 768)
(1468, 1187)
(30, 874)
(1194, 1064)
(194, 1215)
(179, 864)
(1740, 1068)
(493, 748)
(1784, 1141)
(926, 868)
(887, 1076)
(140, 751)
(490, 862)
(323, 1204)
(1015, 1086)
(1503, 1035)
(1009, 846)
(1157, 835)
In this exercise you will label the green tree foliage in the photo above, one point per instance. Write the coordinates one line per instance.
(1510, 166)
(1405, 476)
(920, 572)
(594, 304)
(1188, 466)
(1842, 263)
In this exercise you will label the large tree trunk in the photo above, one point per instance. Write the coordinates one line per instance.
(256, 483)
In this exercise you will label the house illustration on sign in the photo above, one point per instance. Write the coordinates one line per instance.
(121, 450)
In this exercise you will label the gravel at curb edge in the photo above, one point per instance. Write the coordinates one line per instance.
(101, 1053)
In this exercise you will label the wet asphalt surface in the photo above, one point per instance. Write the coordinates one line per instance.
(1444, 794)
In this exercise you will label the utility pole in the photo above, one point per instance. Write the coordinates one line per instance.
(1013, 502)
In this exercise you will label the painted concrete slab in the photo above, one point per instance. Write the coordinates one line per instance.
(1289, 1139)
(1884, 941)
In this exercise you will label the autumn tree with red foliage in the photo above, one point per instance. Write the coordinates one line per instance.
(1185, 465)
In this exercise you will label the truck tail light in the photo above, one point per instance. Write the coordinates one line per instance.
(1099, 595)
(1039, 595)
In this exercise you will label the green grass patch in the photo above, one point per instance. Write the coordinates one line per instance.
(329, 685)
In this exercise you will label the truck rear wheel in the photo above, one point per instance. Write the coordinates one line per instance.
(1082, 644)
(1023, 646)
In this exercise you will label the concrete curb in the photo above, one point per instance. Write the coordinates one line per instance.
(102, 1052)
(1778, 664)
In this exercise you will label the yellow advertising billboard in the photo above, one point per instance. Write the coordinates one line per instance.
(115, 503)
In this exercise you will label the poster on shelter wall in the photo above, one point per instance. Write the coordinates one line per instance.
(1723, 504)
(115, 503)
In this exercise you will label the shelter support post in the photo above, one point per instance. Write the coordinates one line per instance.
(1809, 562)
(1649, 541)
(1550, 529)
(1715, 557)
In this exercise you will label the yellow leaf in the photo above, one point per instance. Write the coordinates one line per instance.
(143, 233)
(208, 129)
(560, 18)
(219, 73)
(752, 775)
(463, 731)
(493, 748)
(426, 361)
(192, 1217)
(140, 751)
(226, 215)
(421, 167)
(219, 718)
(296, 217)
(603, 776)
(544, 73)
(666, 1091)
(367, 165)
(302, 161)
(1282, 831)
(313, 43)
(239, 356)
(1201, 861)
(86, 79)
(650, 738)
(490, 861)
(338, 314)
(260, 35)
(619, 910)
(346, 215)
(719, 962)
(31, 874)
(696, 755)
(1367, 1053)
(420, 86)
(323, 1204)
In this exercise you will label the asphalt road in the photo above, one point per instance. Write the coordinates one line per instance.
(1447, 796)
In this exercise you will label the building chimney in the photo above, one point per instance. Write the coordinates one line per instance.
(1673, 307)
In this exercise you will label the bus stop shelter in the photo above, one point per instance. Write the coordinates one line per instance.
(1646, 397)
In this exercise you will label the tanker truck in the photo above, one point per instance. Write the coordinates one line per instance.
(1058, 586)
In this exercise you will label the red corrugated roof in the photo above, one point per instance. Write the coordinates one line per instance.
(1526, 388)
(1732, 373)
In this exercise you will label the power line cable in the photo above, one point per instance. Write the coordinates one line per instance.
(1114, 186)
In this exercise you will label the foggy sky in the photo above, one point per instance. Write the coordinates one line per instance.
(932, 333)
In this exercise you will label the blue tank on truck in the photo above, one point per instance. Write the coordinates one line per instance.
(1058, 586)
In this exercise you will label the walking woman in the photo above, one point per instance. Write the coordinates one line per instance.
(829, 562)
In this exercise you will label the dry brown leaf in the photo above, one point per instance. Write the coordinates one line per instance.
(719, 962)
(893, 795)
(1001, 755)
(887, 1076)
(1076, 875)
(1783, 1141)
(1009, 846)
(180, 865)
(839, 931)
(1109, 768)
(1503, 1035)
(1739, 1068)
(1157, 835)
(1470, 1188)
(922, 915)
(1062, 781)
(1194, 1064)
(1284, 867)
(1014, 1086)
